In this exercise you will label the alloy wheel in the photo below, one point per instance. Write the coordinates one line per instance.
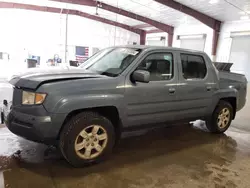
(91, 142)
(223, 118)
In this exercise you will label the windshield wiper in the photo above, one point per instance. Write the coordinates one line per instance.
(109, 74)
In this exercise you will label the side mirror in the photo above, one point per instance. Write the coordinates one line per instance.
(141, 76)
(5, 103)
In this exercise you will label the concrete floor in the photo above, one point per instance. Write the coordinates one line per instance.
(183, 156)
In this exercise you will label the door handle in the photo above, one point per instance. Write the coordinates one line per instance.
(209, 88)
(171, 90)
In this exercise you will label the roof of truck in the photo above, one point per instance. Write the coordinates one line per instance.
(144, 47)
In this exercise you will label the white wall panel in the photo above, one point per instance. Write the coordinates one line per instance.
(43, 33)
(187, 29)
(240, 55)
(91, 33)
(225, 40)
(193, 44)
(153, 39)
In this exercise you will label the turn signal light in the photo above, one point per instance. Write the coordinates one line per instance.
(31, 98)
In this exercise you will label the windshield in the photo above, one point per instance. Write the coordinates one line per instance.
(111, 61)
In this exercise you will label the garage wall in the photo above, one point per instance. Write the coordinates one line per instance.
(43, 34)
(83, 31)
(228, 50)
(194, 43)
(240, 55)
(225, 41)
(154, 39)
(48, 30)
(187, 29)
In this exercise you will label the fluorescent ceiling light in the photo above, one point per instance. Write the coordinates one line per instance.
(154, 38)
(214, 1)
(244, 17)
(244, 12)
(240, 33)
(199, 36)
(149, 28)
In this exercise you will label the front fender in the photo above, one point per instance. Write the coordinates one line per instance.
(68, 104)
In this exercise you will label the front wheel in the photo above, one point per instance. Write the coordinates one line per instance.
(221, 118)
(87, 138)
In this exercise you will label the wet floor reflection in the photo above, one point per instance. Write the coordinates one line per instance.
(166, 157)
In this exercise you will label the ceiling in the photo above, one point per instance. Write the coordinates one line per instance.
(87, 9)
(223, 10)
(154, 10)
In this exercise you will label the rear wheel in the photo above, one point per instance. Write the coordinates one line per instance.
(86, 139)
(221, 118)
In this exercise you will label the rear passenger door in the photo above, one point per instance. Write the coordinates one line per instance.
(196, 86)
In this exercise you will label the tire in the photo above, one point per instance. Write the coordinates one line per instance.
(216, 125)
(84, 123)
(2, 118)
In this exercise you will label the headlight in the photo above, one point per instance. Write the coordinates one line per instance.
(30, 98)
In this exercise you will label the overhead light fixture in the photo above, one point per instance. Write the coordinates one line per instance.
(149, 28)
(156, 38)
(214, 1)
(244, 12)
(244, 17)
(96, 11)
(239, 33)
(198, 36)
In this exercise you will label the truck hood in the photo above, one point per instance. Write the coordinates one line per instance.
(33, 78)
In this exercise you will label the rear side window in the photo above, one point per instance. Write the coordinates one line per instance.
(193, 66)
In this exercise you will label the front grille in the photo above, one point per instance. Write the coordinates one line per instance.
(22, 123)
(13, 119)
(17, 97)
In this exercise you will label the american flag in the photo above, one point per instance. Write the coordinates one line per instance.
(82, 53)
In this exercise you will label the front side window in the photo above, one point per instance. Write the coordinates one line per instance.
(160, 66)
(193, 66)
(111, 61)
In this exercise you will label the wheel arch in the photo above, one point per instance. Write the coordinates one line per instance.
(232, 101)
(110, 112)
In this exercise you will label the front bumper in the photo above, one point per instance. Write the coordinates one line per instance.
(39, 126)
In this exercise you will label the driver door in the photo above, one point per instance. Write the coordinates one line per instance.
(156, 101)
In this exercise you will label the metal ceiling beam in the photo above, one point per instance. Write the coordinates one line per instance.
(207, 20)
(141, 26)
(79, 2)
(164, 27)
(216, 35)
(72, 12)
(143, 38)
(154, 31)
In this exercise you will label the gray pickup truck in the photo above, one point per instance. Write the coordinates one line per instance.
(84, 110)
